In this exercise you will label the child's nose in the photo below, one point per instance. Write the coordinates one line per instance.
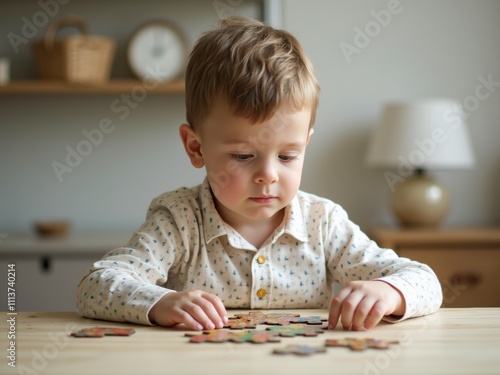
(266, 173)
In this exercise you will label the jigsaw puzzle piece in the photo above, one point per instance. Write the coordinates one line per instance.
(301, 350)
(360, 344)
(293, 330)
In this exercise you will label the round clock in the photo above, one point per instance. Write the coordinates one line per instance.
(157, 51)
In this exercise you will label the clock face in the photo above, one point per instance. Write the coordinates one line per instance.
(157, 52)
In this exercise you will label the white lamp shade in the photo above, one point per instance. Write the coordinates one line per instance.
(429, 134)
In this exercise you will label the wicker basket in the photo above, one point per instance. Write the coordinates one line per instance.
(75, 59)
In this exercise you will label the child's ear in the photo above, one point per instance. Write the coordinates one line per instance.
(192, 145)
(311, 131)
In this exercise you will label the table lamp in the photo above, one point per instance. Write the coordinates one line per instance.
(410, 139)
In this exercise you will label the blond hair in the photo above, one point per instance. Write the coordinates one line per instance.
(254, 67)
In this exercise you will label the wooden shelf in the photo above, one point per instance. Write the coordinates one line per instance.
(116, 86)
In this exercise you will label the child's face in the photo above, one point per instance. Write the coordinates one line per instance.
(254, 170)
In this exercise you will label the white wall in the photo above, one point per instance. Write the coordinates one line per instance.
(430, 49)
(140, 159)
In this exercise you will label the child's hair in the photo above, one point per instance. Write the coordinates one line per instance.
(254, 67)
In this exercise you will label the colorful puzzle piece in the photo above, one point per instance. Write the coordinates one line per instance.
(233, 323)
(293, 330)
(252, 319)
(360, 344)
(103, 331)
(277, 321)
(219, 336)
(301, 350)
(258, 317)
(311, 320)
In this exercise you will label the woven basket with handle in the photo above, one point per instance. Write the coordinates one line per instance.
(77, 58)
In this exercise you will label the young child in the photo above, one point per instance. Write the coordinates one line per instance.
(247, 238)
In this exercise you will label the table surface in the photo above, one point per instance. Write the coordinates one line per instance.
(451, 341)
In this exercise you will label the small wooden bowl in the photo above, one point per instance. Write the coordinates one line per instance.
(58, 228)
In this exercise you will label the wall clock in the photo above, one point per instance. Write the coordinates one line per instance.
(157, 51)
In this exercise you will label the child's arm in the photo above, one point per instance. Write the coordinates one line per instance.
(377, 284)
(137, 283)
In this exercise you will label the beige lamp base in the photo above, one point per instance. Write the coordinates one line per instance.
(420, 201)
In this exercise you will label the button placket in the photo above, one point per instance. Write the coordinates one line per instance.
(261, 281)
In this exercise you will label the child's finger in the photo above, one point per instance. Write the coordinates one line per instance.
(189, 321)
(336, 307)
(199, 310)
(362, 312)
(375, 316)
(207, 302)
(349, 307)
(219, 308)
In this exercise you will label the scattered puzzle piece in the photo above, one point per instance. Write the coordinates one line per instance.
(252, 319)
(240, 324)
(293, 330)
(301, 350)
(219, 336)
(277, 321)
(258, 337)
(258, 317)
(360, 344)
(103, 331)
(311, 320)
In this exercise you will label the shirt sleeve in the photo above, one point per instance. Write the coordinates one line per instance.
(126, 283)
(355, 257)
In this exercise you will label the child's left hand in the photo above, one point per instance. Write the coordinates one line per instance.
(363, 304)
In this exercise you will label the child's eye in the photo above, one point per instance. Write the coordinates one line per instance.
(288, 157)
(242, 156)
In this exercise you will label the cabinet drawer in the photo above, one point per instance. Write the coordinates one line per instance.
(469, 277)
(53, 289)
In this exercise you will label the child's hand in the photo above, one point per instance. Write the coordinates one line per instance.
(364, 303)
(196, 309)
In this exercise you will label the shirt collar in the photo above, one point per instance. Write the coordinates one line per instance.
(214, 226)
(293, 223)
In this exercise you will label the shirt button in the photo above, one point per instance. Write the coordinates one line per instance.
(261, 293)
(261, 259)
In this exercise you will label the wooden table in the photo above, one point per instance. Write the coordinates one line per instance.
(451, 341)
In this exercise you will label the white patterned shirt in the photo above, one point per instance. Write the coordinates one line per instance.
(185, 245)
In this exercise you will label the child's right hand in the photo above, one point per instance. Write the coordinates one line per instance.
(196, 309)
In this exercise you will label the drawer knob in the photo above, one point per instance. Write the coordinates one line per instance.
(45, 264)
(466, 279)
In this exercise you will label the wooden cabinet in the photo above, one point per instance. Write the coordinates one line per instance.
(45, 283)
(48, 270)
(466, 260)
